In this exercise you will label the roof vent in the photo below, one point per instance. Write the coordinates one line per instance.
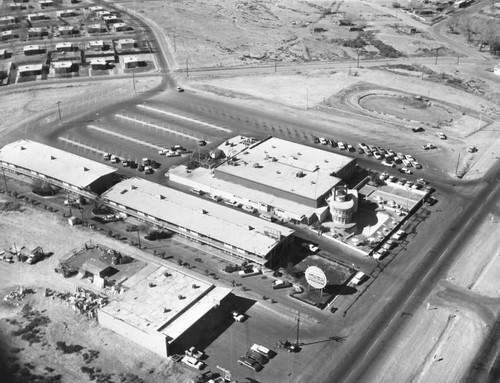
(52, 158)
(85, 169)
(249, 228)
(132, 187)
(159, 196)
(22, 148)
(203, 211)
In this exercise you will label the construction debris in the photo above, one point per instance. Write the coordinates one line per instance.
(82, 301)
(16, 296)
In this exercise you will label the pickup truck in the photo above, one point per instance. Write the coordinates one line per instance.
(280, 284)
(194, 352)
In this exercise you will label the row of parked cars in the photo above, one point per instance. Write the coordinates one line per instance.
(147, 165)
(417, 185)
(256, 357)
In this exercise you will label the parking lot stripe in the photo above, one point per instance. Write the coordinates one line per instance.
(185, 118)
(156, 127)
(122, 136)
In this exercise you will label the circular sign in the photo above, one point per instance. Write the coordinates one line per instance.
(315, 277)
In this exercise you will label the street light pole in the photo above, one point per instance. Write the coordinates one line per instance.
(59, 110)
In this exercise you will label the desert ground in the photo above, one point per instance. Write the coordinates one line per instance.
(205, 34)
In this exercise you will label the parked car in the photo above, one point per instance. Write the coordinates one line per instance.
(429, 146)
(280, 284)
(249, 208)
(261, 349)
(232, 203)
(405, 171)
(417, 130)
(193, 362)
(380, 253)
(132, 228)
(250, 363)
(323, 141)
(179, 89)
(259, 358)
(350, 148)
(249, 271)
(358, 277)
(238, 317)
(442, 136)
(377, 155)
(194, 352)
(383, 176)
(472, 149)
(387, 163)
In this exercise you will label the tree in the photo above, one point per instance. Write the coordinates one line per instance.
(453, 24)
(466, 25)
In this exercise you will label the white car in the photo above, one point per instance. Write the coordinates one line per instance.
(379, 254)
(356, 280)
(390, 164)
(179, 89)
(248, 272)
(383, 176)
(323, 141)
(238, 317)
(362, 145)
(248, 208)
(406, 171)
(399, 234)
(416, 165)
(261, 349)
(192, 362)
(312, 247)
(407, 163)
(232, 203)
(342, 146)
(378, 156)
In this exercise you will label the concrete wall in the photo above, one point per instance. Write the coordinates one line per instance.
(153, 341)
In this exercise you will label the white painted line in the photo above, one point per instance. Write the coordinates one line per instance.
(122, 136)
(185, 118)
(157, 127)
(80, 145)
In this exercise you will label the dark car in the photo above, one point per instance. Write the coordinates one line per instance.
(157, 234)
(417, 130)
(250, 363)
(259, 358)
(132, 228)
(140, 168)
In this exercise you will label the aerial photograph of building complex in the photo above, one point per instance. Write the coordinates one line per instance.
(246, 191)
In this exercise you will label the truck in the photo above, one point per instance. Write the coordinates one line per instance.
(35, 255)
(281, 284)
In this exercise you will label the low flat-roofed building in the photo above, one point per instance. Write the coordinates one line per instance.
(68, 30)
(103, 12)
(96, 44)
(99, 64)
(33, 50)
(232, 231)
(96, 28)
(287, 170)
(126, 43)
(30, 70)
(57, 167)
(37, 32)
(121, 27)
(37, 17)
(133, 62)
(46, 3)
(66, 13)
(65, 47)
(8, 35)
(16, 6)
(110, 19)
(6, 20)
(203, 179)
(162, 312)
(95, 9)
(61, 67)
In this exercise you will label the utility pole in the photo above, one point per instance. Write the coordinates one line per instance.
(59, 110)
(456, 169)
(358, 58)
(298, 327)
(5, 180)
(187, 68)
(133, 79)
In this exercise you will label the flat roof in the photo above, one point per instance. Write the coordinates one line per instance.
(31, 47)
(36, 29)
(55, 163)
(96, 42)
(64, 45)
(66, 28)
(159, 308)
(205, 177)
(29, 68)
(4, 18)
(198, 215)
(277, 163)
(62, 64)
(97, 62)
(126, 41)
(116, 25)
(131, 59)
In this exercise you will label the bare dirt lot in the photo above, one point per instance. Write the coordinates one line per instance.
(31, 333)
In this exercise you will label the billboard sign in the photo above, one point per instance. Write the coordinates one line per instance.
(316, 277)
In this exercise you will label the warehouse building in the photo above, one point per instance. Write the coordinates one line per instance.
(165, 310)
(231, 231)
(60, 168)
